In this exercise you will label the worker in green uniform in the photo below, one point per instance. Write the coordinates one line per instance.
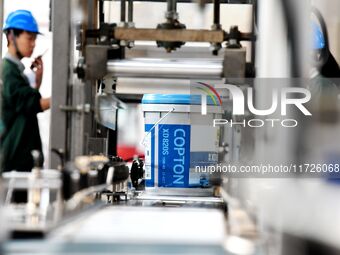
(20, 102)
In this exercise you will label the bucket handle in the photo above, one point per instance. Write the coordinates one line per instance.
(154, 125)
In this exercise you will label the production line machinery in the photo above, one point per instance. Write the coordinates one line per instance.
(98, 203)
(107, 50)
(110, 51)
(84, 122)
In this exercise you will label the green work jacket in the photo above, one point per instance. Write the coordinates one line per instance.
(20, 105)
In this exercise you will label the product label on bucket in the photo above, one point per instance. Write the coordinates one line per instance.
(149, 156)
(173, 155)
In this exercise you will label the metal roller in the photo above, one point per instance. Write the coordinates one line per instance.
(152, 86)
(166, 68)
(142, 86)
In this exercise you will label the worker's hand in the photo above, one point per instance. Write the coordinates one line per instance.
(45, 103)
(38, 68)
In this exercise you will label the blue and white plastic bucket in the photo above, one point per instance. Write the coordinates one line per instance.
(178, 140)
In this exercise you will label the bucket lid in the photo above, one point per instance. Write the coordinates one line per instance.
(178, 99)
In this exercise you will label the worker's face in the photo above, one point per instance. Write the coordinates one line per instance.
(26, 43)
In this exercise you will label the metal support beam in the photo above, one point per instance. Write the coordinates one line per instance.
(217, 14)
(88, 137)
(122, 11)
(60, 76)
(130, 11)
(172, 5)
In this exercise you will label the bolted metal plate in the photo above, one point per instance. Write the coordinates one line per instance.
(234, 64)
(96, 59)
